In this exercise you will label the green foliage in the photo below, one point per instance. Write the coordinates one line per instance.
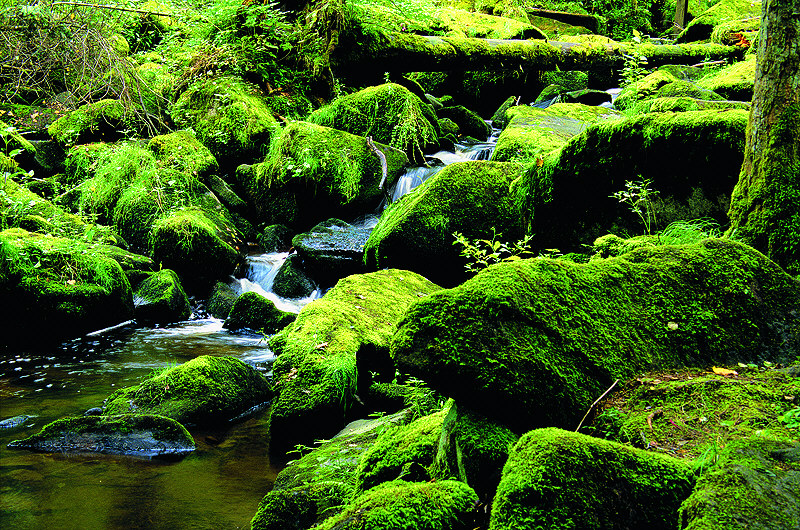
(791, 418)
(689, 232)
(638, 196)
(634, 64)
(480, 253)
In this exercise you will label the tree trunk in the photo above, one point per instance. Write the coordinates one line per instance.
(765, 206)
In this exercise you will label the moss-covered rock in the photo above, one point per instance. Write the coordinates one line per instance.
(667, 81)
(221, 300)
(229, 117)
(182, 151)
(275, 238)
(560, 479)
(54, 288)
(204, 391)
(91, 122)
(390, 113)
(400, 505)
(734, 82)
(317, 485)
(569, 79)
(291, 281)
(532, 131)
(125, 434)
(754, 483)
(469, 123)
(684, 104)
(332, 250)
(416, 232)
(533, 342)
(405, 452)
(313, 173)
(725, 11)
(253, 311)
(568, 199)
(472, 449)
(334, 342)
(160, 298)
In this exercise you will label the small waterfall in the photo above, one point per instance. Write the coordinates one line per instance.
(261, 272)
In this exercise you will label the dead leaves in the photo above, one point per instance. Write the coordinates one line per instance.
(724, 371)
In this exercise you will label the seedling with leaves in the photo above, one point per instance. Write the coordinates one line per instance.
(639, 197)
(481, 253)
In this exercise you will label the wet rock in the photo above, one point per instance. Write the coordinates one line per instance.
(275, 238)
(556, 478)
(332, 250)
(221, 300)
(586, 97)
(160, 299)
(204, 391)
(144, 436)
(15, 421)
(253, 311)
(469, 123)
(291, 281)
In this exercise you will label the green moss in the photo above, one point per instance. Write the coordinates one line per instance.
(416, 232)
(564, 480)
(89, 123)
(401, 505)
(253, 311)
(315, 373)
(532, 131)
(205, 391)
(611, 245)
(459, 23)
(684, 104)
(291, 281)
(229, 117)
(183, 152)
(568, 199)
(60, 285)
(313, 173)
(221, 300)
(472, 449)
(755, 484)
(469, 123)
(404, 452)
(160, 298)
(645, 88)
(722, 12)
(534, 342)
(152, 435)
(688, 413)
(390, 113)
(734, 82)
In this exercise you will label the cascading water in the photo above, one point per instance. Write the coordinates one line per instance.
(260, 275)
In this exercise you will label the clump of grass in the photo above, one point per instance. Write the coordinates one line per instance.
(689, 232)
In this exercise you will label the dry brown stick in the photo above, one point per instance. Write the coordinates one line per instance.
(382, 158)
(115, 8)
(596, 401)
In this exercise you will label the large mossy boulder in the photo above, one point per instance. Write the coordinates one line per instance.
(160, 298)
(472, 449)
(685, 103)
(204, 391)
(54, 288)
(184, 152)
(143, 436)
(561, 479)
(405, 451)
(92, 122)
(329, 351)
(390, 113)
(401, 505)
(532, 343)
(724, 12)
(416, 232)
(734, 82)
(317, 485)
(532, 131)
(313, 173)
(469, 123)
(253, 311)
(229, 116)
(692, 159)
(754, 484)
(666, 81)
(291, 280)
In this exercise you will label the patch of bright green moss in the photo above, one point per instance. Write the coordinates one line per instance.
(684, 104)
(253, 311)
(724, 11)
(161, 298)
(205, 391)
(534, 342)
(734, 82)
(182, 151)
(315, 373)
(564, 480)
(88, 123)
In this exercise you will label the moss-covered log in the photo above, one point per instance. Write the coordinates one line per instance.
(410, 52)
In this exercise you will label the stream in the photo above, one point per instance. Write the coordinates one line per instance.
(219, 485)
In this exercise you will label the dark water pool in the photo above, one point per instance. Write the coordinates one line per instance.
(218, 486)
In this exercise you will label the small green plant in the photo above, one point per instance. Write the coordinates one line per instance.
(688, 232)
(791, 418)
(639, 197)
(708, 458)
(634, 66)
(480, 253)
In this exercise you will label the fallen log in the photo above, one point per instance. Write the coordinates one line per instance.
(407, 52)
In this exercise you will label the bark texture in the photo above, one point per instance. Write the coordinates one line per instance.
(765, 206)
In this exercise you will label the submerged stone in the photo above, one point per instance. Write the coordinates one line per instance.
(204, 391)
(416, 232)
(561, 479)
(145, 436)
(327, 354)
(16, 421)
(532, 343)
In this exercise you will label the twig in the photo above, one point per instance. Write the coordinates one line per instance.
(707, 63)
(115, 8)
(382, 158)
(596, 401)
